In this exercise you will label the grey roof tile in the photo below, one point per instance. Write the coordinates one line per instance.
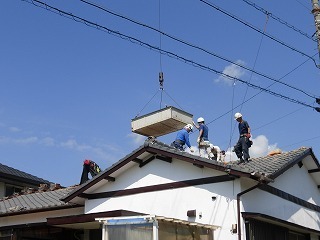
(34, 201)
(273, 165)
(267, 166)
(5, 170)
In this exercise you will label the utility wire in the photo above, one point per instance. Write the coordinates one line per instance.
(278, 19)
(258, 30)
(303, 5)
(277, 119)
(246, 92)
(260, 92)
(309, 139)
(167, 53)
(257, 95)
(193, 46)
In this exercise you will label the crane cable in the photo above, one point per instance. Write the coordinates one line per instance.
(161, 79)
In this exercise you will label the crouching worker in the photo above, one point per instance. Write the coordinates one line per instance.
(218, 154)
(182, 138)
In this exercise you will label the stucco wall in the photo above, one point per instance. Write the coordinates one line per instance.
(295, 181)
(37, 217)
(175, 203)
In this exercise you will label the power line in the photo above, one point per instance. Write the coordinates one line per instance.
(193, 46)
(258, 30)
(167, 53)
(285, 23)
(309, 139)
(277, 119)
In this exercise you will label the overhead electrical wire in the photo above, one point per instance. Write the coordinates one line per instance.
(167, 53)
(302, 4)
(222, 115)
(305, 140)
(258, 30)
(232, 129)
(285, 23)
(193, 46)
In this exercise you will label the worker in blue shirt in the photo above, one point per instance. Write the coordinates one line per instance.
(242, 147)
(182, 138)
(203, 138)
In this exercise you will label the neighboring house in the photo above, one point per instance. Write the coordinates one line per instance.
(14, 181)
(157, 192)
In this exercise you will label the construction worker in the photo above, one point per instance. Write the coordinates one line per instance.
(182, 138)
(242, 147)
(203, 138)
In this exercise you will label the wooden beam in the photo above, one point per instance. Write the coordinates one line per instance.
(110, 179)
(137, 160)
(159, 187)
(163, 158)
(198, 165)
(314, 170)
(147, 161)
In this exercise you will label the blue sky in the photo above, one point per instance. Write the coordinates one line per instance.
(69, 91)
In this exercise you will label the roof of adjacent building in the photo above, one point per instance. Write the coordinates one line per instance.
(33, 202)
(12, 174)
(265, 168)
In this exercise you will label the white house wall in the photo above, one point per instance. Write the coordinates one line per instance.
(157, 172)
(295, 181)
(174, 203)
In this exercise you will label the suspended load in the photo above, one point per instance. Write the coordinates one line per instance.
(161, 122)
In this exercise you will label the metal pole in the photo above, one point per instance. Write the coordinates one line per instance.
(316, 13)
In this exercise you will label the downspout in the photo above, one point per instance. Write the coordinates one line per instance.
(238, 207)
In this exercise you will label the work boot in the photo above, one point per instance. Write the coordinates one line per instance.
(213, 158)
(240, 161)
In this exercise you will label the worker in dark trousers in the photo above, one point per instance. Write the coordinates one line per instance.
(182, 138)
(242, 147)
(203, 138)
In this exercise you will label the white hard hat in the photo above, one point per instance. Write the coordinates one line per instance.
(200, 119)
(237, 115)
(189, 126)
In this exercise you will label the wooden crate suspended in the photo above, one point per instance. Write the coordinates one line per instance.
(161, 122)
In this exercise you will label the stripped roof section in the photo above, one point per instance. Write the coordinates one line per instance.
(22, 176)
(35, 201)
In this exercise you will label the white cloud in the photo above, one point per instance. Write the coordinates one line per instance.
(14, 129)
(18, 141)
(137, 139)
(28, 140)
(102, 151)
(48, 141)
(232, 70)
(259, 148)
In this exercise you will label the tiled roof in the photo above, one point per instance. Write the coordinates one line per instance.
(264, 168)
(266, 165)
(274, 165)
(6, 171)
(35, 201)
